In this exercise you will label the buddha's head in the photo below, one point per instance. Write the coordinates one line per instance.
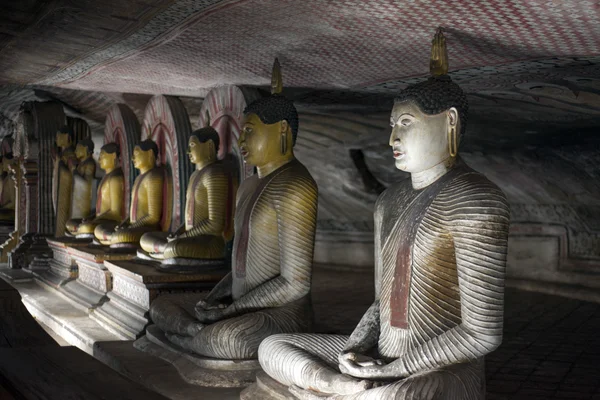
(64, 137)
(203, 146)
(144, 155)
(84, 149)
(428, 121)
(109, 154)
(269, 130)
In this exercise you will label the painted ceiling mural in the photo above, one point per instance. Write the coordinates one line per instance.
(537, 60)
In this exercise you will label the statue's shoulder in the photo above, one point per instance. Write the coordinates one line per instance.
(294, 177)
(156, 173)
(216, 168)
(473, 189)
(469, 179)
(394, 191)
(117, 173)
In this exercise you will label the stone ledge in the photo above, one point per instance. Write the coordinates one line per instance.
(266, 388)
(156, 374)
(197, 370)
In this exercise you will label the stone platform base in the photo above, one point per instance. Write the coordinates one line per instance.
(135, 284)
(197, 370)
(266, 388)
(156, 374)
(93, 281)
(16, 275)
(61, 268)
(5, 230)
(54, 311)
(189, 265)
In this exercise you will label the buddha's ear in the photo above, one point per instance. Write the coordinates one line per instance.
(211, 146)
(284, 126)
(452, 116)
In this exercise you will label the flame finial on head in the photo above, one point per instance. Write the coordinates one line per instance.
(438, 64)
(276, 80)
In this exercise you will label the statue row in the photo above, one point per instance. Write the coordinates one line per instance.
(440, 253)
(209, 201)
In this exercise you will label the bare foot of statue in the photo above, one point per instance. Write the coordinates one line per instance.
(181, 341)
(193, 328)
(303, 394)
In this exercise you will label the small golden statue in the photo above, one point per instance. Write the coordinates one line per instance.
(146, 211)
(7, 191)
(208, 212)
(65, 162)
(84, 175)
(268, 289)
(109, 204)
(440, 258)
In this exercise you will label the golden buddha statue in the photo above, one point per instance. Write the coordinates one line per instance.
(7, 191)
(208, 212)
(83, 182)
(146, 208)
(268, 289)
(109, 204)
(440, 255)
(65, 162)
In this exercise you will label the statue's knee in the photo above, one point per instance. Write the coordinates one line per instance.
(158, 308)
(273, 344)
(147, 242)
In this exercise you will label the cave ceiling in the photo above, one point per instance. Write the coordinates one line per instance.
(535, 62)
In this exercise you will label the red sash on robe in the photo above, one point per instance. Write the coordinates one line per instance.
(408, 227)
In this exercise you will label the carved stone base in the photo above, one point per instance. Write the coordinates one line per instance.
(30, 247)
(5, 230)
(190, 265)
(61, 267)
(93, 281)
(197, 370)
(266, 388)
(135, 285)
(9, 245)
(16, 275)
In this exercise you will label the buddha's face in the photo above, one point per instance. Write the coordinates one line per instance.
(143, 159)
(419, 141)
(63, 140)
(260, 143)
(200, 152)
(81, 152)
(107, 160)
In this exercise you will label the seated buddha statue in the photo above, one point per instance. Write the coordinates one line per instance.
(83, 184)
(65, 162)
(7, 191)
(440, 255)
(268, 289)
(208, 211)
(109, 203)
(146, 201)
